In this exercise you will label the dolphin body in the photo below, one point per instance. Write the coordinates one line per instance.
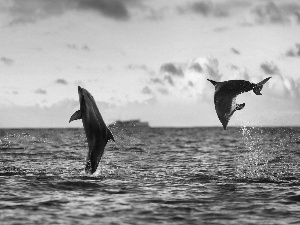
(226, 93)
(96, 131)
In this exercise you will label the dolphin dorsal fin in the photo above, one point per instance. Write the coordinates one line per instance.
(109, 135)
(213, 82)
(76, 116)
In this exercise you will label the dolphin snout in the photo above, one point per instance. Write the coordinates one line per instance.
(80, 90)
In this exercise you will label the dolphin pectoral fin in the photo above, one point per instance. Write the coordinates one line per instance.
(240, 106)
(110, 135)
(76, 116)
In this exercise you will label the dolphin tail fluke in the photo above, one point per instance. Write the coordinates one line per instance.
(213, 82)
(91, 165)
(257, 88)
(110, 135)
(76, 116)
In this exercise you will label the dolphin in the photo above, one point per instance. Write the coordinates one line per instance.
(226, 93)
(96, 131)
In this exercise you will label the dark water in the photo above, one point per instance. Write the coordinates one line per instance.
(152, 176)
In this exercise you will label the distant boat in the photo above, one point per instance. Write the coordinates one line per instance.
(129, 124)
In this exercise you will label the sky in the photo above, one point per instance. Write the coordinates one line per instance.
(147, 60)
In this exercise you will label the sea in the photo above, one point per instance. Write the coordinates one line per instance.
(201, 175)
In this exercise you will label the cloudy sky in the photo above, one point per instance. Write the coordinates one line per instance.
(147, 60)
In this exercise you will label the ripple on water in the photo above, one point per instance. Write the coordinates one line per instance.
(157, 176)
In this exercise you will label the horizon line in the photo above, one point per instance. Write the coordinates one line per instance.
(188, 127)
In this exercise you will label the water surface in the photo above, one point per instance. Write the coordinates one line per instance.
(152, 176)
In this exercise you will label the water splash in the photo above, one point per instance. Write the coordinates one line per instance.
(263, 159)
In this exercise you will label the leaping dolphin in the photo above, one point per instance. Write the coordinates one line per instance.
(226, 93)
(96, 131)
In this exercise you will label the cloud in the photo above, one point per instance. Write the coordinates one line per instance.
(186, 80)
(169, 80)
(116, 9)
(86, 48)
(196, 66)
(279, 85)
(294, 52)
(156, 81)
(235, 51)
(76, 47)
(221, 29)
(268, 12)
(233, 67)
(277, 13)
(201, 7)
(171, 69)
(219, 9)
(297, 17)
(146, 90)
(192, 85)
(7, 61)
(61, 81)
(142, 67)
(269, 68)
(30, 11)
(281, 90)
(136, 67)
(238, 73)
(192, 89)
(163, 91)
(155, 15)
(40, 91)
(56, 115)
(72, 46)
(166, 104)
(204, 8)
(211, 65)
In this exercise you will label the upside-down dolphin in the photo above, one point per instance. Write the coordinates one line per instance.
(96, 131)
(226, 93)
